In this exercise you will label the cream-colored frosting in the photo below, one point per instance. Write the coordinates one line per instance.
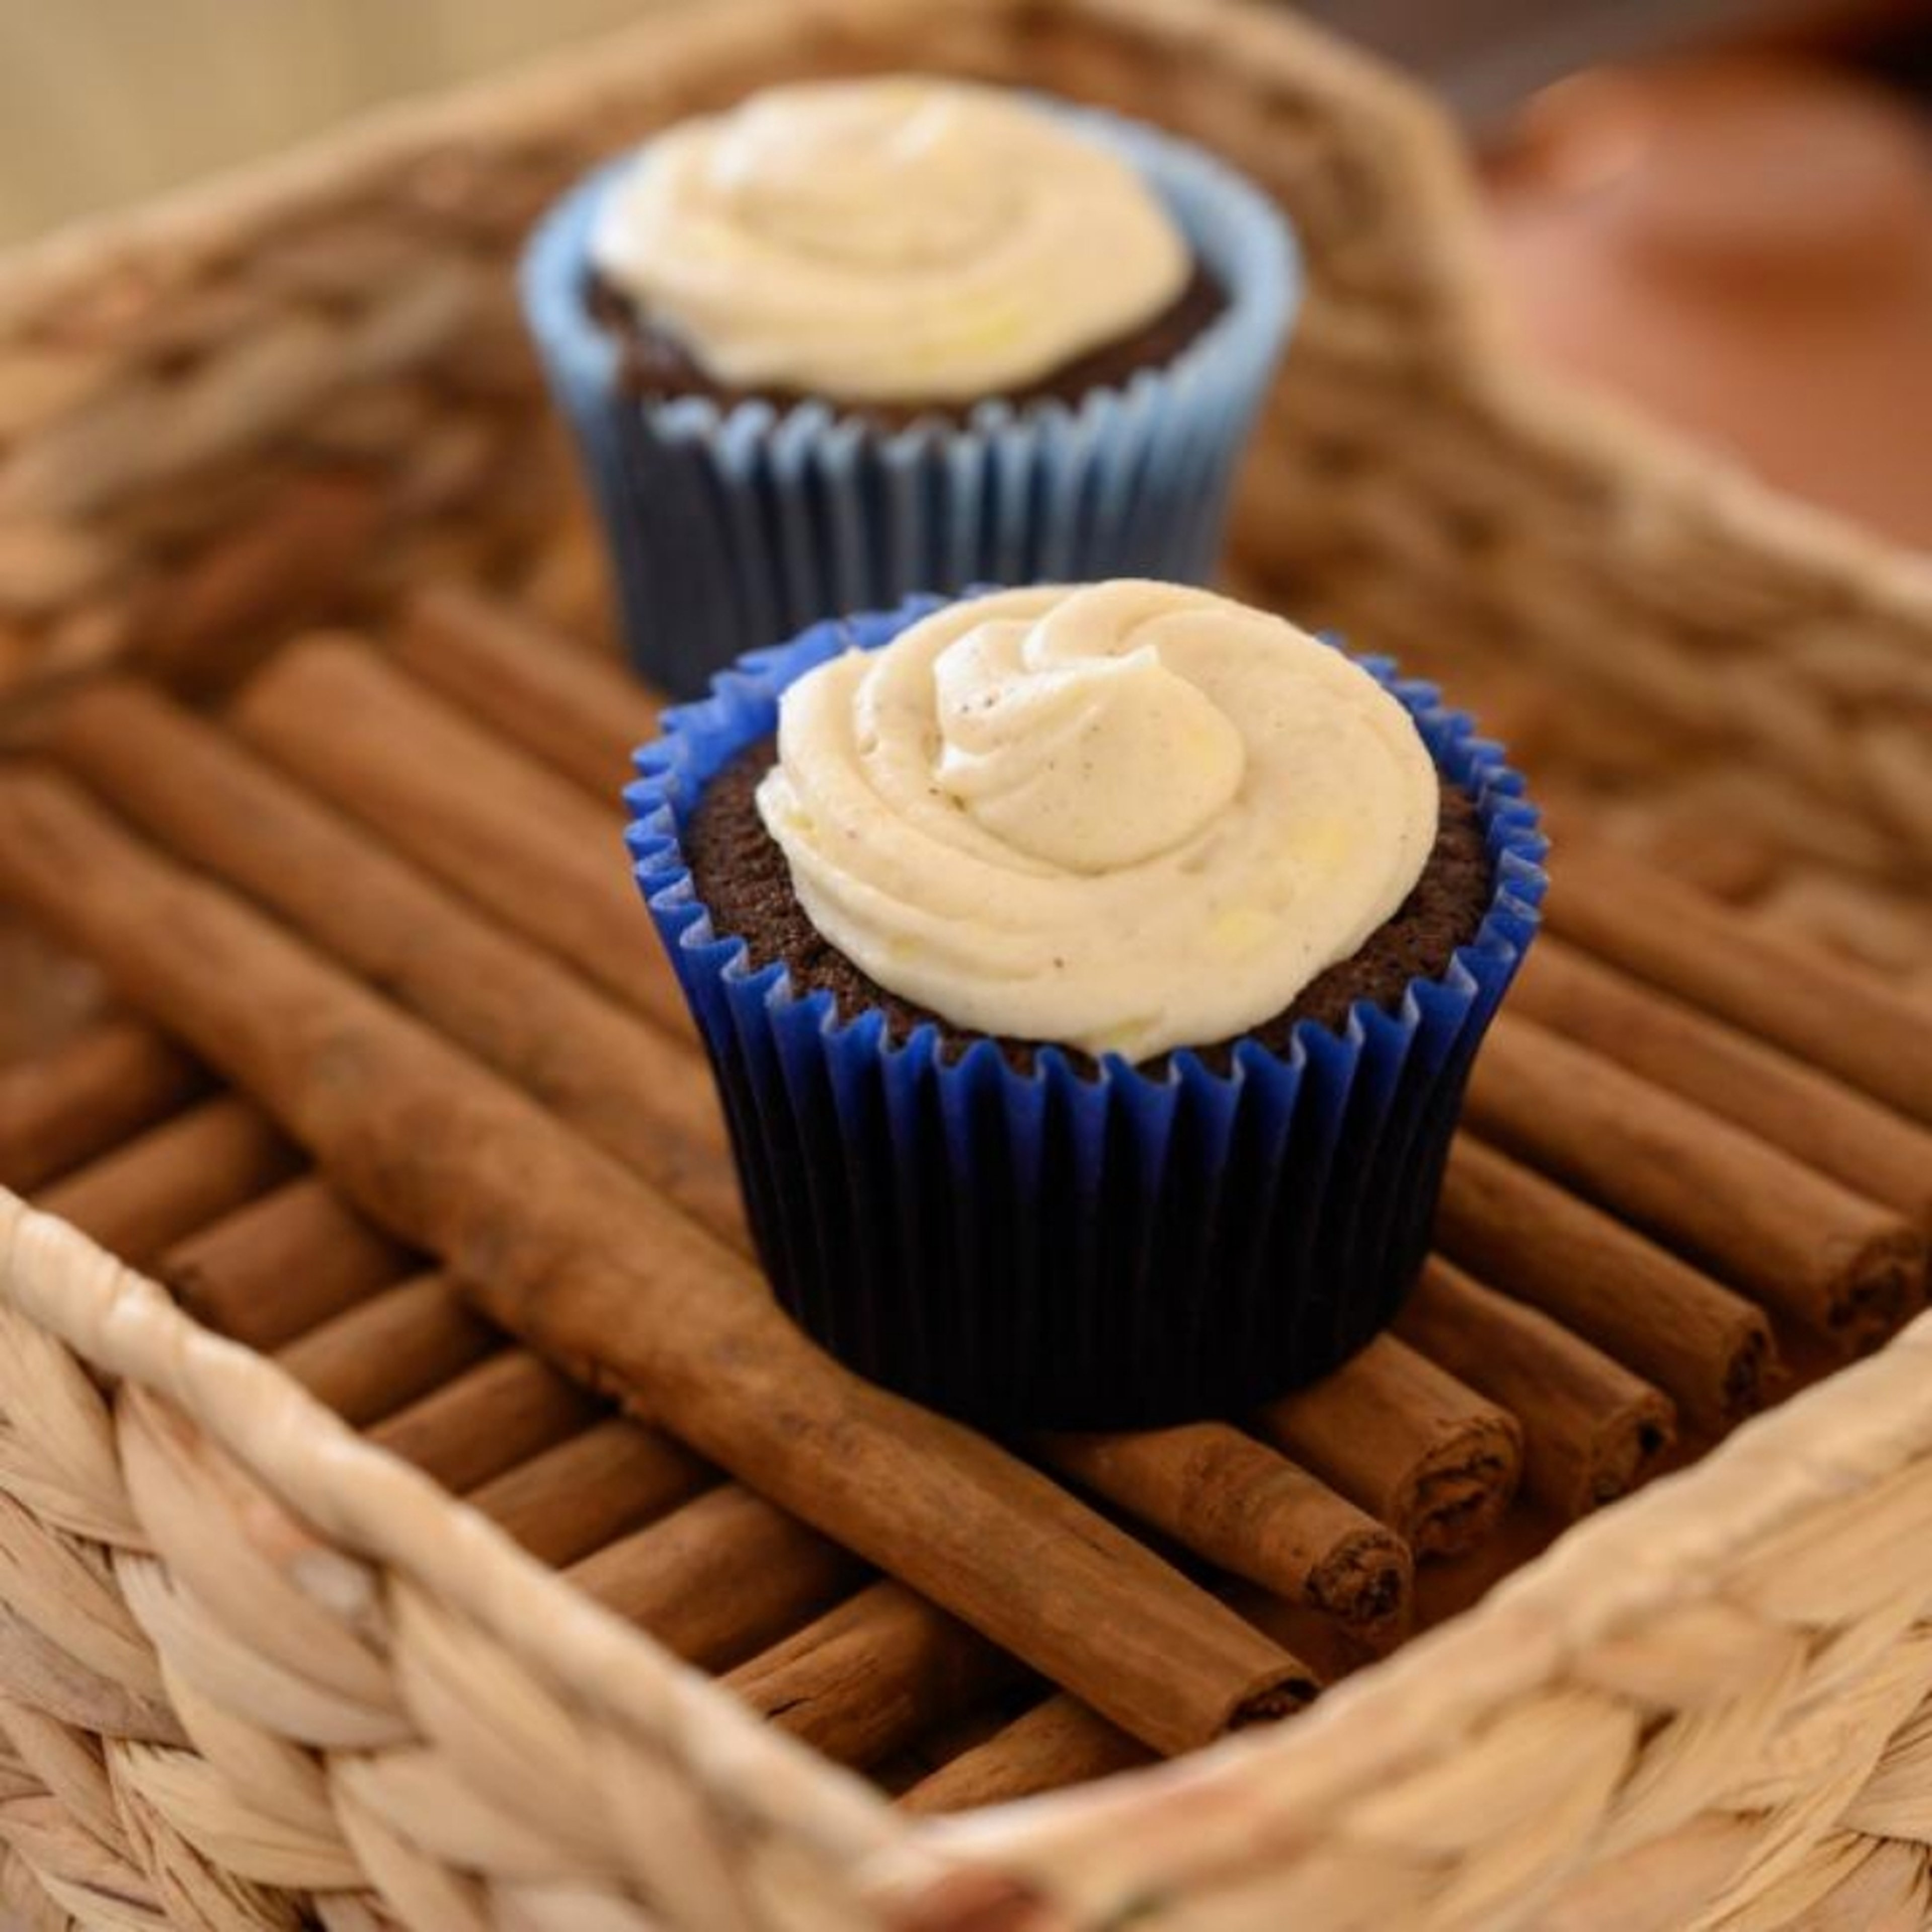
(1125, 816)
(900, 238)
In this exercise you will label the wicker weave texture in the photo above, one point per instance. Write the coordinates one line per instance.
(248, 1659)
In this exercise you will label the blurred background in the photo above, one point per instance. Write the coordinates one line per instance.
(1720, 208)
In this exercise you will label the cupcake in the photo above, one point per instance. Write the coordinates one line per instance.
(1091, 975)
(855, 339)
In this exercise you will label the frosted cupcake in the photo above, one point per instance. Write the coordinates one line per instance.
(854, 339)
(1092, 975)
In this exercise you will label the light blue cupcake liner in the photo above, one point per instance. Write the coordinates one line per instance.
(1065, 1247)
(730, 526)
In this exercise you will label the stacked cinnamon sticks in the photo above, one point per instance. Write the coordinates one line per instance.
(520, 1189)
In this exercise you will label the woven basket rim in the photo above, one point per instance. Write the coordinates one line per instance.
(1632, 1560)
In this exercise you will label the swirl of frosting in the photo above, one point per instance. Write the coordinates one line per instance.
(1125, 817)
(898, 238)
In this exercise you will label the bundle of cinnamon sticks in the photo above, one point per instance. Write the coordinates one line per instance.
(518, 1136)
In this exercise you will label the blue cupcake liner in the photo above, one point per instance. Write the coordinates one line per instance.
(731, 527)
(1071, 1247)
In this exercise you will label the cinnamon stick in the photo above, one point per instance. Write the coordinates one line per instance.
(570, 1501)
(1708, 1349)
(1837, 1016)
(573, 1496)
(87, 1095)
(871, 1674)
(895, 1775)
(496, 1415)
(208, 618)
(572, 1492)
(1249, 1511)
(566, 1503)
(275, 1268)
(1592, 1431)
(1059, 1742)
(512, 837)
(1329, 1651)
(1446, 1590)
(536, 685)
(635, 1093)
(1809, 1249)
(1812, 1115)
(1418, 1449)
(173, 1179)
(383, 1355)
(1727, 860)
(720, 1579)
(584, 1261)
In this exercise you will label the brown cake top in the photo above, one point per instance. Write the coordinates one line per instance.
(653, 363)
(740, 874)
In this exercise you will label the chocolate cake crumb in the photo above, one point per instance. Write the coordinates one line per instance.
(740, 873)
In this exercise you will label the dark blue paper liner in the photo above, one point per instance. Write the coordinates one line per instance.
(729, 527)
(1057, 1249)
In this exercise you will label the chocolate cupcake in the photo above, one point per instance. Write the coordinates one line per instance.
(1092, 976)
(855, 339)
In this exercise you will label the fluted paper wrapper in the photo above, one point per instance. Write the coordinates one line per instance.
(729, 527)
(1070, 1248)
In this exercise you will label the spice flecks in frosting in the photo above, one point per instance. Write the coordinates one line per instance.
(1126, 817)
(1089, 763)
(897, 238)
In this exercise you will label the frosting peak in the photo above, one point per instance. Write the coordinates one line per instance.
(1076, 754)
(882, 174)
(1126, 817)
(898, 238)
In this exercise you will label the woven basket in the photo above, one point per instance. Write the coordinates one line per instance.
(251, 1668)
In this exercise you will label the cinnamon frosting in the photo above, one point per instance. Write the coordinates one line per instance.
(1125, 816)
(898, 238)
